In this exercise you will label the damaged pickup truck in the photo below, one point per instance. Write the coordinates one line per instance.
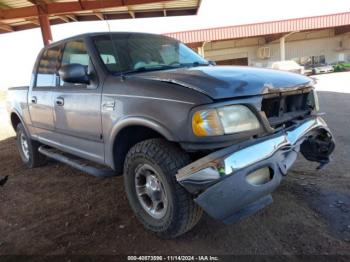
(186, 135)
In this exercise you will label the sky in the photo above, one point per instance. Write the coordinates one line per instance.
(18, 50)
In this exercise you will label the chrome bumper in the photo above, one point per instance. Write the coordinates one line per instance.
(230, 175)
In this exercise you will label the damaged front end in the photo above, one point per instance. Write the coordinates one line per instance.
(237, 181)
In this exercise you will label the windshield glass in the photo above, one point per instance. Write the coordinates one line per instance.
(133, 52)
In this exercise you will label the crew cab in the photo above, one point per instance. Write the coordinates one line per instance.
(188, 136)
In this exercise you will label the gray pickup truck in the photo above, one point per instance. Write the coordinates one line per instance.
(187, 135)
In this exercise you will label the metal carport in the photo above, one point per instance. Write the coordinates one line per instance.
(18, 15)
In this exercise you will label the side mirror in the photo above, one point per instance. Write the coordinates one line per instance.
(213, 63)
(74, 73)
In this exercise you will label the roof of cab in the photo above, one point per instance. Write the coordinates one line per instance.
(92, 34)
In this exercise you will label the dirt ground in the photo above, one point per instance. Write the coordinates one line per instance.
(58, 210)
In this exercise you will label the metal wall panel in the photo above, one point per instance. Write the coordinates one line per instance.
(259, 29)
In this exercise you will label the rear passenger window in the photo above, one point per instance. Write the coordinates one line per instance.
(47, 70)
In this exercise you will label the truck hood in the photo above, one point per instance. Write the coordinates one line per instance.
(219, 82)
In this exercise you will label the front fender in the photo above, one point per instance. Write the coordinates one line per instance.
(135, 121)
(142, 121)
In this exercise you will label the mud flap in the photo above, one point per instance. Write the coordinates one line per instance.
(318, 147)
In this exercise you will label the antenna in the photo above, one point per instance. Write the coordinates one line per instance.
(111, 39)
(108, 25)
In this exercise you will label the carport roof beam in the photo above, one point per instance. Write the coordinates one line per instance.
(45, 29)
(6, 27)
(56, 8)
(18, 15)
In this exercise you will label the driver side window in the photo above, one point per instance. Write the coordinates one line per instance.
(75, 53)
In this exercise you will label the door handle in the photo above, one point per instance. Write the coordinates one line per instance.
(34, 100)
(59, 101)
(109, 106)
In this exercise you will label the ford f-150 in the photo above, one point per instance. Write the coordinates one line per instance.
(188, 136)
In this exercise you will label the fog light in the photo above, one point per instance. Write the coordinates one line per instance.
(260, 176)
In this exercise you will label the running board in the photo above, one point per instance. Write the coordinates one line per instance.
(77, 163)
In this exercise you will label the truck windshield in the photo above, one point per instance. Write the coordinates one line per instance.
(136, 52)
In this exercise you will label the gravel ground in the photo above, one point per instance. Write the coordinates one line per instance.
(58, 210)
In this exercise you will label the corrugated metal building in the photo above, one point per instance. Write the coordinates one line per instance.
(320, 39)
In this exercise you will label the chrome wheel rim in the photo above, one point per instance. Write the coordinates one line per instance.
(24, 146)
(150, 191)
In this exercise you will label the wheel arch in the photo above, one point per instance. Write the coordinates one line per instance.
(16, 118)
(131, 131)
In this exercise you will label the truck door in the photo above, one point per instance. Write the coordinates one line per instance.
(40, 98)
(77, 108)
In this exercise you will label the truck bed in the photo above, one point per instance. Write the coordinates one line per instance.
(17, 99)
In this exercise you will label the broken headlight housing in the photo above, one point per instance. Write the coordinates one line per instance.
(224, 121)
(316, 103)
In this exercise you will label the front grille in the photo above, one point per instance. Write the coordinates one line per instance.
(282, 108)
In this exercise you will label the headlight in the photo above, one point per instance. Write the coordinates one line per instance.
(207, 123)
(224, 120)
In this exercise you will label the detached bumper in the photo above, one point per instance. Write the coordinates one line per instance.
(237, 181)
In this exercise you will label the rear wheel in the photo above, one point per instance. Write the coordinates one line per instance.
(28, 149)
(159, 202)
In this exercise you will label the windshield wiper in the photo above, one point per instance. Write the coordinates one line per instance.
(147, 69)
(200, 64)
(194, 64)
(162, 67)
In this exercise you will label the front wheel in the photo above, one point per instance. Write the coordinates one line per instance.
(159, 202)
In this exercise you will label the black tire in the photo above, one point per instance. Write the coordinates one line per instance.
(182, 213)
(33, 158)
